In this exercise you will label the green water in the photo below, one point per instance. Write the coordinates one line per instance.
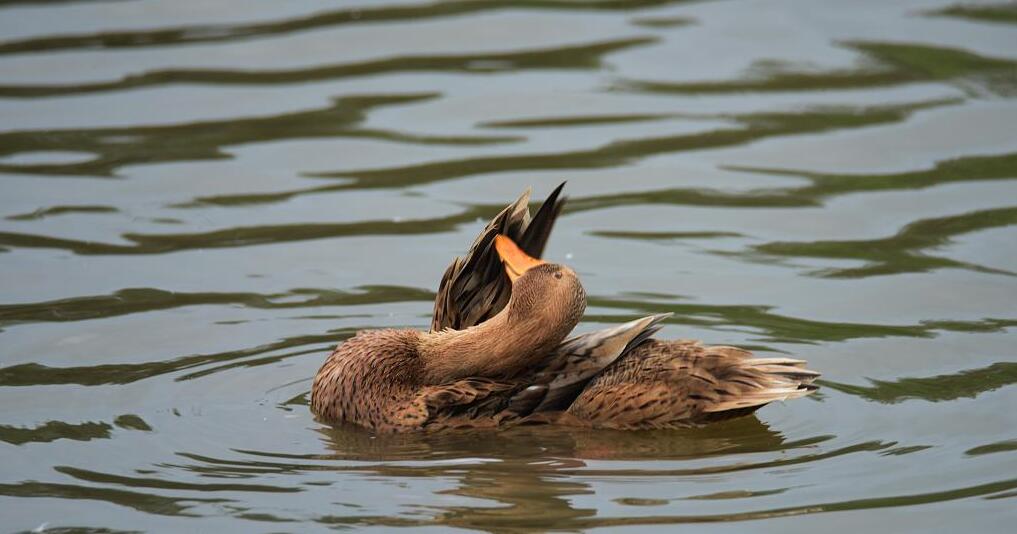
(199, 199)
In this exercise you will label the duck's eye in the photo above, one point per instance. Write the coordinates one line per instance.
(558, 275)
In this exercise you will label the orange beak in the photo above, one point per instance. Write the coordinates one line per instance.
(515, 260)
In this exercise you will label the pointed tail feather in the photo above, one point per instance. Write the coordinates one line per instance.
(788, 368)
(769, 380)
(537, 232)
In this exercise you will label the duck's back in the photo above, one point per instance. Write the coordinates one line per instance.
(661, 384)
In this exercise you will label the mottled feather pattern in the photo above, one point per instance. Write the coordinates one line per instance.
(663, 384)
(368, 380)
(374, 380)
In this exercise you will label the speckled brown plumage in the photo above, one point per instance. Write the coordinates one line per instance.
(666, 384)
(377, 379)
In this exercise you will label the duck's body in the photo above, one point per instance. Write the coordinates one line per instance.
(496, 353)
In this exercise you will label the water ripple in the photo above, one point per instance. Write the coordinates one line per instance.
(885, 64)
(359, 15)
(586, 56)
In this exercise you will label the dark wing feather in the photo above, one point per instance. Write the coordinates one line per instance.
(474, 287)
(580, 358)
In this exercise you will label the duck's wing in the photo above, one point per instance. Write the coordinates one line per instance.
(474, 287)
(663, 384)
(580, 358)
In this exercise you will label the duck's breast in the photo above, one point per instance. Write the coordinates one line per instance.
(367, 377)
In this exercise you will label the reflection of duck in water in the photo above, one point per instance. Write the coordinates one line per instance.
(536, 476)
(497, 353)
(540, 444)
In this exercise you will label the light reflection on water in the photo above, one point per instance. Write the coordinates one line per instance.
(198, 203)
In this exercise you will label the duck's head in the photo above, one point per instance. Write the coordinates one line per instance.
(546, 303)
(546, 295)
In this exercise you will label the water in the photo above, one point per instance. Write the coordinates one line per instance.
(200, 199)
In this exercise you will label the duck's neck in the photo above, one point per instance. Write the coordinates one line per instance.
(497, 348)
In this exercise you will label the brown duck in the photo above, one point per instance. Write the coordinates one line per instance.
(497, 354)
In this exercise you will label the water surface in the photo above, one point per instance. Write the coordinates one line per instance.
(199, 200)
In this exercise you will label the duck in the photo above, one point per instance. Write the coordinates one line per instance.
(498, 353)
